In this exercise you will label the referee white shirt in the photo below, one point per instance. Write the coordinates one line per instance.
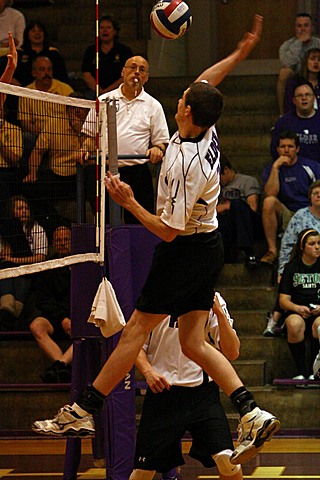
(141, 123)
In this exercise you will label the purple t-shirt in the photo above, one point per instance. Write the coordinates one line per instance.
(295, 182)
(307, 129)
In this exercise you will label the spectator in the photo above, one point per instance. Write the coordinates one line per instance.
(51, 313)
(23, 241)
(11, 20)
(60, 145)
(287, 181)
(36, 43)
(34, 233)
(32, 113)
(310, 72)
(292, 51)
(239, 217)
(141, 130)
(299, 297)
(112, 57)
(308, 217)
(305, 121)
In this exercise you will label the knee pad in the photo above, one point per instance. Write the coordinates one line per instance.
(138, 474)
(224, 465)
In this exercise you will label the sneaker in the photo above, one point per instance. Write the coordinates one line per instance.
(269, 257)
(316, 367)
(255, 428)
(72, 421)
(271, 328)
(299, 377)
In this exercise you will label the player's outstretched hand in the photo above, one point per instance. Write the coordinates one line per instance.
(252, 38)
(119, 191)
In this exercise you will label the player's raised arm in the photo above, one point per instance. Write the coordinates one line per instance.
(11, 62)
(216, 73)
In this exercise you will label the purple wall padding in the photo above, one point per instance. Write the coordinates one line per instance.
(128, 259)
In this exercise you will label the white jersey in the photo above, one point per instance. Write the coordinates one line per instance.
(189, 184)
(141, 123)
(165, 356)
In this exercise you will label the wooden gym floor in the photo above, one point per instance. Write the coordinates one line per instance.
(42, 458)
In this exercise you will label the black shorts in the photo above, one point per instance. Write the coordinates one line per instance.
(167, 416)
(183, 275)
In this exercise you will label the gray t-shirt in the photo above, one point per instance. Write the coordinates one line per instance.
(241, 187)
(293, 50)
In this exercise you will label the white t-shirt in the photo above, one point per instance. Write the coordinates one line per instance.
(11, 20)
(165, 355)
(141, 123)
(189, 184)
(37, 239)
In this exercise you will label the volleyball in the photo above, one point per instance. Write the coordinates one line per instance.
(170, 19)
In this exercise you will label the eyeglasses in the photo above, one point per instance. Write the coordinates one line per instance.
(304, 95)
(143, 70)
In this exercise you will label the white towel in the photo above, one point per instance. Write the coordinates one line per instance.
(105, 311)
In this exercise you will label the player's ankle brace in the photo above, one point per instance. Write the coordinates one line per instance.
(138, 474)
(243, 401)
(224, 465)
(91, 399)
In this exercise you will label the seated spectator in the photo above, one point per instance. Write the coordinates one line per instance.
(36, 43)
(287, 181)
(299, 297)
(238, 211)
(62, 146)
(112, 58)
(34, 234)
(310, 72)
(308, 217)
(51, 312)
(305, 121)
(292, 51)
(23, 241)
(33, 114)
(305, 218)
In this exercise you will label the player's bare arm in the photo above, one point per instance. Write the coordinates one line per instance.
(216, 73)
(11, 62)
(122, 194)
(229, 340)
(155, 381)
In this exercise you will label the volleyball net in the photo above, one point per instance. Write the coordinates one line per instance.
(46, 178)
